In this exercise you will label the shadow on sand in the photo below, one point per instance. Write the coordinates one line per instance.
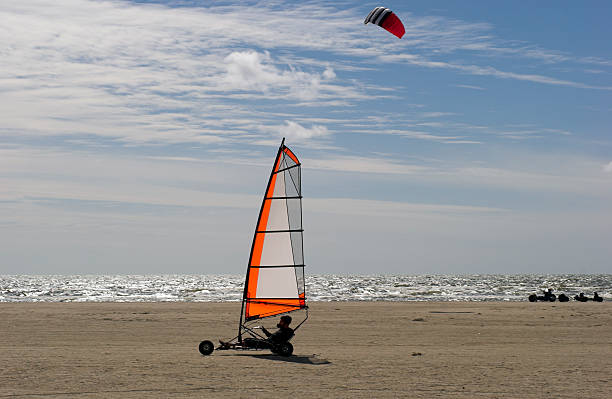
(312, 359)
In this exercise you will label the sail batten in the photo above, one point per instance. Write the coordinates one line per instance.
(275, 275)
(280, 231)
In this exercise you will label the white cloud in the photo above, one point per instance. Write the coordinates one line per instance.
(486, 71)
(437, 114)
(295, 131)
(608, 167)
(470, 87)
(357, 164)
(344, 206)
(250, 70)
(329, 73)
(431, 137)
(246, 70)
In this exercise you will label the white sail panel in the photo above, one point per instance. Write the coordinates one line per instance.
(277, 250)
(277, 282)
(278, 219)
(279, 185)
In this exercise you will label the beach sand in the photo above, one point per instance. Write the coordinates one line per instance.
(345, 350)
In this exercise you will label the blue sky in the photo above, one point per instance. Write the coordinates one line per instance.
(137, 137)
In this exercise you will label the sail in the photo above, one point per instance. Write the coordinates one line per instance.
(275, 275)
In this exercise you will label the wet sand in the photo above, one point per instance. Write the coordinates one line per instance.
(345, 350)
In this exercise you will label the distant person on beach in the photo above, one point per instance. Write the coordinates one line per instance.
(597, 298)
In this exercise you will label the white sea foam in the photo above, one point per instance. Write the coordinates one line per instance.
(229, 288)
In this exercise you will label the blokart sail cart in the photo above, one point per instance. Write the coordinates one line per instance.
(274, 283)
(252, 339)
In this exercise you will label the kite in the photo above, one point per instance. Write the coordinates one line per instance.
(387, 20)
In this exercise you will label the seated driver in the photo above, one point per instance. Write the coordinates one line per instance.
(284, 332)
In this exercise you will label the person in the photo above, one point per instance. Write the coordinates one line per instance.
(284, 332)
(597, 298)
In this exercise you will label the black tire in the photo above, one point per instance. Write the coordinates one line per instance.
(206, 348)
(552, 298)
(284, 349)
(533, 298)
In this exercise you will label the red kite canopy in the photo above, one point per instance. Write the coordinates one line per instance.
(387, 20)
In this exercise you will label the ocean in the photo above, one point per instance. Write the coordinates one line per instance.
(228, 288)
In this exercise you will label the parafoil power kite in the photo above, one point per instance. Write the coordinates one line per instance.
(387, 20)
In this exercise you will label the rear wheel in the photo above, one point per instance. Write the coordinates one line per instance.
(206, 348)
(284, 349)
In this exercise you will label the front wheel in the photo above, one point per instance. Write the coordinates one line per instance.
(206, 348)
(284, 349)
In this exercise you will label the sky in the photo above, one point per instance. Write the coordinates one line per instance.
(137, 137)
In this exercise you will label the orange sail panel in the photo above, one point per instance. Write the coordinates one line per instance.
(275, 276)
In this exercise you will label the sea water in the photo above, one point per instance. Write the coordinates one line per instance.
(229, 288)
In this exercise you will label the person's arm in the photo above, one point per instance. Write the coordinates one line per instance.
(265, 331)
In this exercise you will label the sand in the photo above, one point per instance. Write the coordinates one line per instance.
(345, 350)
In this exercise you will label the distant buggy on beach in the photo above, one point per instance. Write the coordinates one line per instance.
(547, 297)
